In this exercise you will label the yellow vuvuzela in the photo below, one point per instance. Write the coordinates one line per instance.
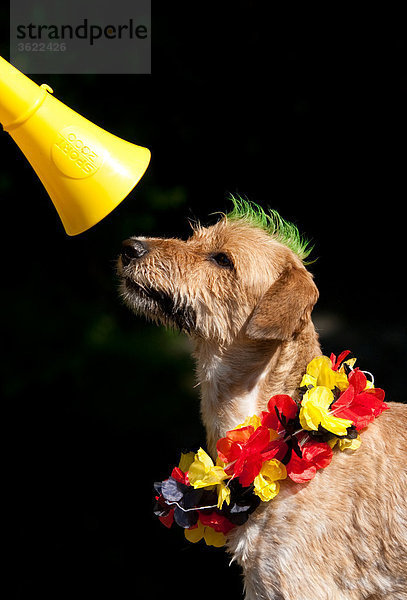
(86, 171)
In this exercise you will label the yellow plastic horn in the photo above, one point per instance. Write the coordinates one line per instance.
(86, 171)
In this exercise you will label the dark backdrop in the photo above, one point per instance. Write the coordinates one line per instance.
(303, 112)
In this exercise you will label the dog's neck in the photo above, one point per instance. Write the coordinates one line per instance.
(238, 380)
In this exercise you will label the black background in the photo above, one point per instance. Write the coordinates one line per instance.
(303, 111)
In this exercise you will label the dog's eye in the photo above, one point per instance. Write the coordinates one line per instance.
(222, 260)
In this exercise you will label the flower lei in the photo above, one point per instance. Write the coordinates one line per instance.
(291, 439)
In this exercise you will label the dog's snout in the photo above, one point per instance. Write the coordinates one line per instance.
(133, 249)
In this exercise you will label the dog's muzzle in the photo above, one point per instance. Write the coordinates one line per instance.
(133, 249)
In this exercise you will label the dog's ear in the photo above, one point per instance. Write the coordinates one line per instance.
(285, 307)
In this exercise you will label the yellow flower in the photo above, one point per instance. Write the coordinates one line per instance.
(254, 421)
(315, 411)
(203, 473)
(350, 362)
(223, 494)
(320, 372)
(266, 484)
(186, 461)
(345, 443)
(211, 537)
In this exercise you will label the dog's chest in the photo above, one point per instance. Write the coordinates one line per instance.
(227, 400)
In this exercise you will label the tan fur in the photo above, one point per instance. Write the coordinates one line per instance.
(343, 536)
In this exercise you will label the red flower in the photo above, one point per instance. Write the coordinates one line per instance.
(336, 362)
(243, 452)
(165, 514)
(180, 476)
(281, 409)
(358, 404)
(168, 520)
(215, 520)
(315, 456)
(230, 447)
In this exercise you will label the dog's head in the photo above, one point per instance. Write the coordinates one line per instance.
(232, 278)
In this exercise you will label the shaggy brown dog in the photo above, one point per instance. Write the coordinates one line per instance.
(241, 290)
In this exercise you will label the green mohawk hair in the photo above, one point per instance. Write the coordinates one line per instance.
(284, 232)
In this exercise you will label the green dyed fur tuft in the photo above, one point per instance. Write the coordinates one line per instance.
(284, 232)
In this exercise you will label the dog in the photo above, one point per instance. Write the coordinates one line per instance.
(240, 288)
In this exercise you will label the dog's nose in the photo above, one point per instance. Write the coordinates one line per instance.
(133, 250)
